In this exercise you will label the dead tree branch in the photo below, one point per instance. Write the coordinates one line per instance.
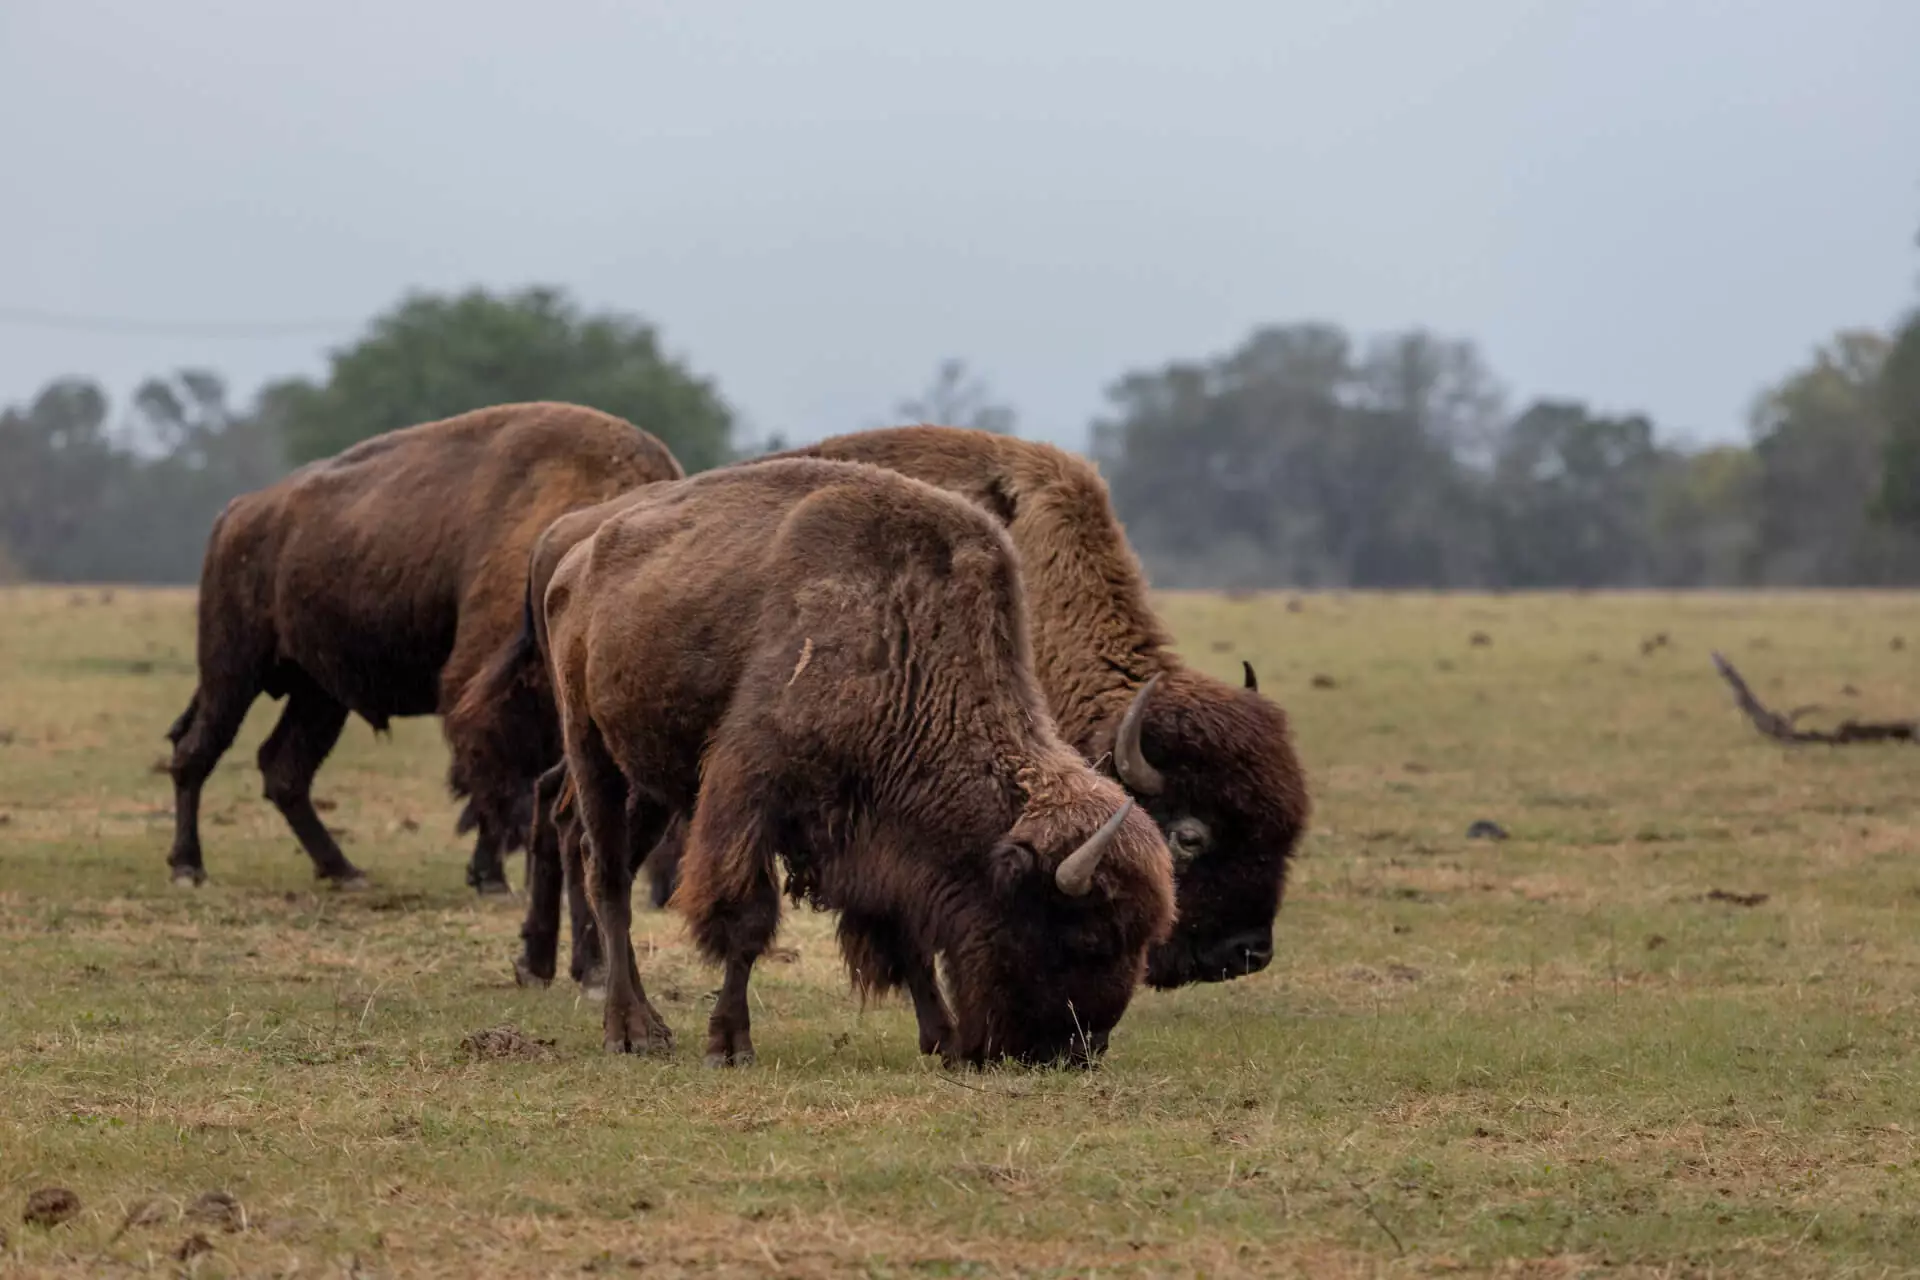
(1785, 728)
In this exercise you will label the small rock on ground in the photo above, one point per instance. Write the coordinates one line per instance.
(218, 1209)
(192, 1247)
(50, 1206)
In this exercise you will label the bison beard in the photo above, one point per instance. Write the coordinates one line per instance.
(375, 583)
(828, 665)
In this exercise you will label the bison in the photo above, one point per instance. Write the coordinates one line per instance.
(376, 583)
(827, 667)
(1214, 764)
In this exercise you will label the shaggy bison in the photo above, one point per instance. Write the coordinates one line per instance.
(376, 583)
(1213, 763)
(828, 666)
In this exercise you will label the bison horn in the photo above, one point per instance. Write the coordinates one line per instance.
(1141, 778)
(1075, 875)
(1253, 685)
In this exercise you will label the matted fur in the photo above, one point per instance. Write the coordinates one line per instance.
(376, 583)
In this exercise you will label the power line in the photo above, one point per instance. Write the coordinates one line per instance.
(171, 328)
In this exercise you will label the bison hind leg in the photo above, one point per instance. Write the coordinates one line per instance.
(291, 755)
(201, 735)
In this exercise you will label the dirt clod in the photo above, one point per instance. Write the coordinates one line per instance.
(1656, 941)
(1325, 682)
(1480, 640)
(192, 1247)
(143, 1213)
(1486, 829)
(50, 1206)
(506, 1042)
(1736, 899)
(218, 1209)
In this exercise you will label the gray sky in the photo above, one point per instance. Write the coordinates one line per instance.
(1654, 206)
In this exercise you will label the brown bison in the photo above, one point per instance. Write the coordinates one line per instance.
(1214, 764)
(827, 666)
(376, 583)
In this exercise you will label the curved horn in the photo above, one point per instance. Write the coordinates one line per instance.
(1141, 778)
(1075, 875)
(1252, 684)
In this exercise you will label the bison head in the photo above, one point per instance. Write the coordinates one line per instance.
(1080, 891)
(1215, 767)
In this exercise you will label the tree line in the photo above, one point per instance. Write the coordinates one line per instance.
(1304, 457)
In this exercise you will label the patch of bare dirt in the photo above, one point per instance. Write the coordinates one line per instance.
(506, 1042)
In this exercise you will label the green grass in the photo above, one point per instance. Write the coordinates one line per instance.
(1547, 1056)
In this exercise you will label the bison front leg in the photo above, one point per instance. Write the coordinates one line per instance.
(600, 794)
(589, 964)
(727, 891)
(540, 931)
(289, 758)
(729, 1035)
(929, 1009)
(486, 872)
(663, 864)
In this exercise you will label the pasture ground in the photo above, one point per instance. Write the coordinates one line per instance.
(1554, 1055)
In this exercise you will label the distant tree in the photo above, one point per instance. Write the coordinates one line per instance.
(958, 398)
(56, 461)
(433, 356)
(1822, 439)
(1291, 461)
(1704, 518)
(1573, 498)
(1899, 396)
(82, 502)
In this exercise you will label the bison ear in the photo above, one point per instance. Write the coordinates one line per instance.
(1013, 865)
(1253, 685)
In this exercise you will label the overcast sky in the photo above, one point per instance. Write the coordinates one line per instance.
(1654, 206)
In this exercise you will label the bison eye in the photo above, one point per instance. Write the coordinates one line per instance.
(1188, 838)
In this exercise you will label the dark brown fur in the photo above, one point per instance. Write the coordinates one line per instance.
(376, 583)
(828, 666)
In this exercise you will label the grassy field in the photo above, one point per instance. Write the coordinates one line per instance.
(1554, 1055)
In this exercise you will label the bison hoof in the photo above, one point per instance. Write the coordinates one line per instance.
(729, 1048)
(353, 882)
(495, 888)
(188, 877)
(594, 985)
(525, 975)
(641, 1032)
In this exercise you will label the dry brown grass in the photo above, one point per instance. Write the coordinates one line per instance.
(1552, 1055)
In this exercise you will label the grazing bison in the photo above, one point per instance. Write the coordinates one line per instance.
(376, 583)
(1213, 764)
(828, 666)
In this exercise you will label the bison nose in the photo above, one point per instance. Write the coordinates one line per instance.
(1242, 954)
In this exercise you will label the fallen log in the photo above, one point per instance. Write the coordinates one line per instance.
(1786, 728)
